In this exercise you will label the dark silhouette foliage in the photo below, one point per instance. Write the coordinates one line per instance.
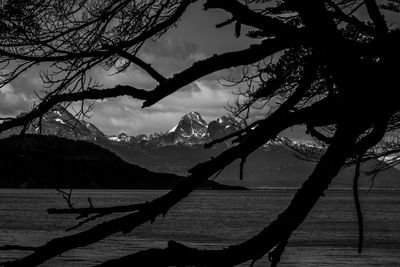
(312, 57)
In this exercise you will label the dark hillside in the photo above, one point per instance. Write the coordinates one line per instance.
(37, 161)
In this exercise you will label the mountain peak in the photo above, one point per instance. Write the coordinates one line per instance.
(223, 126)
(59, 122)
(191, 125)
(121, 137)
(195, 116)
(124, 137)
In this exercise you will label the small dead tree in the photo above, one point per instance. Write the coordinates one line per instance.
(326, 55)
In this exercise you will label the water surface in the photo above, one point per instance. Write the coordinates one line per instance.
(213, 219)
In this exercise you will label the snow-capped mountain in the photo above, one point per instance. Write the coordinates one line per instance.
(59, 122)
(193, 129)
(190, 130)
(122, 137)
(222, 127)
(191, 125)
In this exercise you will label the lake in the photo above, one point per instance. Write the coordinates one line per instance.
(213, 219)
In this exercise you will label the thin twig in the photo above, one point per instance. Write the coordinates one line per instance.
(358, 205)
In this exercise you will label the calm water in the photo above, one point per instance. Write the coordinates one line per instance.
(214, 219)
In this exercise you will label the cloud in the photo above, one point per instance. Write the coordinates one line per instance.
(168, 47)
(12, 103)
(172, 54)
(195, 38)
(133, 76)
(125, 114)
(209, 99)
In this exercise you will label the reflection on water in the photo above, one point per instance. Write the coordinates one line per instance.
(214, 219)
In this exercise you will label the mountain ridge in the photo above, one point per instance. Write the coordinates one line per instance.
(182, 147)
(35, 161)
(191, 129)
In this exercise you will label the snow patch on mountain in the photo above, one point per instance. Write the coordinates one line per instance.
(191, 125)
(173, 129)
(390, 159)
(122, 137)
(60, 121)
(191, 129)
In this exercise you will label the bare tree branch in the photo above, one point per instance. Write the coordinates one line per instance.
(43, 107)
(376, 16)
(358, 205)
(254, 248)
(266, 130)
(135, 60)
(84, 212)
(348, 72)
(217, 62)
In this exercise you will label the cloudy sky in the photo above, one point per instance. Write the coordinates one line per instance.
(194, 38)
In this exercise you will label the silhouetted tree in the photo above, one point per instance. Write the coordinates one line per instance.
(334, 71)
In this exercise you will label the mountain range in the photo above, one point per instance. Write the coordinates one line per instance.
(182, 147)
(190, 130)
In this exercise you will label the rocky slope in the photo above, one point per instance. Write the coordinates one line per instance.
(191, 129)
(59, 122)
